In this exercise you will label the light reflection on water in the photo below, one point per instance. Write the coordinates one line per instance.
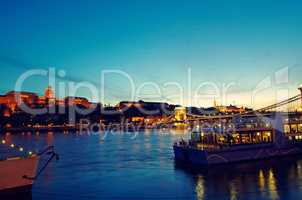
(261, 182)
(200, 188)
(272, 186)
(233, 191)
(275, 179)
(143, 168)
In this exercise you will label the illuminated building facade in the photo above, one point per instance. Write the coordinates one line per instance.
(229, 109)
(13, 99)
(49, 95)
(71, 101)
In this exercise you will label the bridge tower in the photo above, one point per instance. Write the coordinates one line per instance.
(180, 113)
(300, 89)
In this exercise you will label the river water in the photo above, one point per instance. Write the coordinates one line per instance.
(141, 166)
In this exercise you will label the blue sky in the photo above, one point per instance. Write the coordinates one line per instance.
(220, 41)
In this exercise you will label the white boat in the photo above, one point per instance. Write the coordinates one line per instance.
(14, 173)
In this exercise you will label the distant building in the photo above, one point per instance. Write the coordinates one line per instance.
(49, 95)
(2, 99)
(71, 101)
(13, 99)
(60, 102)
(230, 109)
(41, 101)
(215, 103)
(141, 110)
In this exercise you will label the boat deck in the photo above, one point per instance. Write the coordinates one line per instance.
(225, 147)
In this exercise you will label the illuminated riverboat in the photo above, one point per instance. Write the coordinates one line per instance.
(243, 142)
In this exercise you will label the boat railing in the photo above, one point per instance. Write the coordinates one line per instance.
(220, 146)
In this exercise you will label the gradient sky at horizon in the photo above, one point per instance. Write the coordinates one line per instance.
(222, 42)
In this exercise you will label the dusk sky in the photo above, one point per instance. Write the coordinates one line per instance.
(221, 42)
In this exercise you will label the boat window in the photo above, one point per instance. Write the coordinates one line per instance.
(300, 128)
(267, 136)
(221, 139)
(286, 129)
(236, 138)
(246, 138)
(249, 126)
(257, 137)
(293, 128)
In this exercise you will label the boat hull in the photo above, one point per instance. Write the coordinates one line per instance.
(12, 174)
(194, 156)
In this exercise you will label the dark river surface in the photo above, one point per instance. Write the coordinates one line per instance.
(125, 166)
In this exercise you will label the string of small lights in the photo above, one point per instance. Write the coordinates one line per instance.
(17, 147)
